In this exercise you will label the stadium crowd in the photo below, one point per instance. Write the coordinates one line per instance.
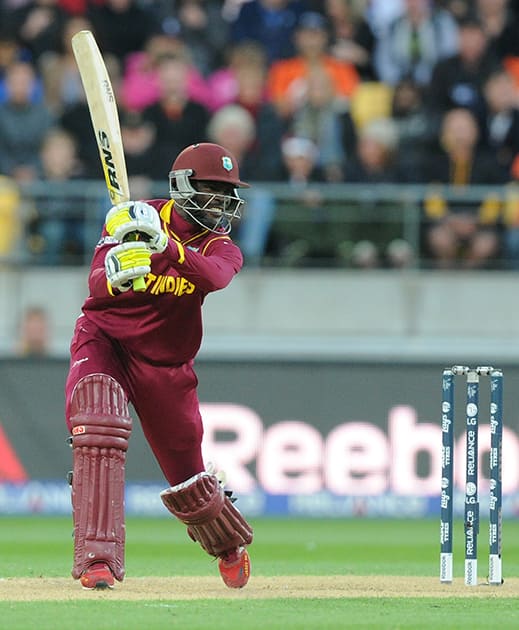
(301, 91)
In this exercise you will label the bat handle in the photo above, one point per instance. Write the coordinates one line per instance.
(139, 284)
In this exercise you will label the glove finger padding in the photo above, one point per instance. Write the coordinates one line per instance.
(125, 262)
(136, 216)
(212, 519)
(158, 243)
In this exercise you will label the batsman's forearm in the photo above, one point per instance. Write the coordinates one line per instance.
(98, 283)
(207, 273)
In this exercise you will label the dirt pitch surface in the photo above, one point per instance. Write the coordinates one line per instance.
(147, 589)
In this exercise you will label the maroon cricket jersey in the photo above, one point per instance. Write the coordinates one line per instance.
(163, 324)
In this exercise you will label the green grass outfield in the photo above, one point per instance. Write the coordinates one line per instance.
(366, 573)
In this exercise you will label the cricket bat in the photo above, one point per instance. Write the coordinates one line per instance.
(105, 120)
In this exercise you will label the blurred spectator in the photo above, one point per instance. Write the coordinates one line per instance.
(202, 27)
(457, 81)
(122, 26)
(399, 254)
(177, 120)
(375, 160)
(459, 9)
(458, 231)
(287, 82)
(413, 43)
(300, 160)
(511, 226)
(506, 42)
(416, 134)
(76, 120)
(380, 13)
(23, 124)
(140, 85)
(370, 100)
(138, 137)
(352, 39)
(323, 119)
(245, 83)
(271, 23)
(11, 51)
(56, 234)
(246, 67)
(234, 127)
(500, 125)
(501, 26)
(302, 173)
(59, 70)
(38, 26)
(10, 217)
(34, 334)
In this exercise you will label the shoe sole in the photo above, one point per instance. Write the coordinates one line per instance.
(100, 586)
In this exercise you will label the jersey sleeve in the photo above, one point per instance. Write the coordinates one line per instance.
(212, 267)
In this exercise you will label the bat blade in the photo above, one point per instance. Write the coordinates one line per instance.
(103, 112)
(105, 119)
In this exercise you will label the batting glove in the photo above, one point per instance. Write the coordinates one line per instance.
(126, 262)
(129, 217)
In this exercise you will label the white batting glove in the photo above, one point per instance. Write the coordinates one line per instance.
(128, 217)
(126, 262)
(159, 243)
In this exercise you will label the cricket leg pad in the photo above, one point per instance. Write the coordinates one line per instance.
(101, 428)
(210, 515)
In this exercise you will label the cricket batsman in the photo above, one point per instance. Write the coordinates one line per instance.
(138, 347)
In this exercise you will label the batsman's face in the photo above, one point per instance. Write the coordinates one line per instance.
(215, 200)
